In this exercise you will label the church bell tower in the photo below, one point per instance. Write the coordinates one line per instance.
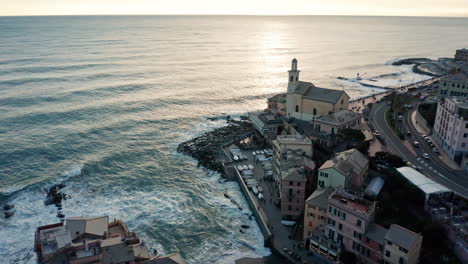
(293, 76)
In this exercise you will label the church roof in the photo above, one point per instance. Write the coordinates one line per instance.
(309, 90)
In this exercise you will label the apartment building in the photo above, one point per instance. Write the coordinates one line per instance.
(315, 210)
(326, 127)
(350, 226)
(451, 126)
(402, 246)
(455, 84)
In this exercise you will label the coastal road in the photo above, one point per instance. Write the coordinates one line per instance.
(431, 168)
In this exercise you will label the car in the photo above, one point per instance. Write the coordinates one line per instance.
(400, 117)
(425, 155)
(408, 133)
(416, 144)
(436, 150)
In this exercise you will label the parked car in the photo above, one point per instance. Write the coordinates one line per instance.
(416, 144)
(425, 155)
(436, 150)
(408, 133)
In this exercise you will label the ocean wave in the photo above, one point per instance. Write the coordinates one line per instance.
(51, 69)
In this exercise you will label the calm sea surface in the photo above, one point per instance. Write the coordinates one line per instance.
(100, 103)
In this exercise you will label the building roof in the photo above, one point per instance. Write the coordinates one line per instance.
(339, 117)
(401, 236)
(347, 162)
(293, 139)
(112, 241)
(425, 184)
(319, 198)
(294, 175)
(310, 91)
(374, 187)
(460, 77)
(53, 239)
(94, 226)
(377, 233)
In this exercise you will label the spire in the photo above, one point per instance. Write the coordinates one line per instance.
(294, 65)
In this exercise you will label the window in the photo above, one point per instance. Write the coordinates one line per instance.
(403, 250)
(297, 108)
(343, 216)
(465, 135)
(315, 111)
(358, 222)
(329, 209)
(289, 208)
(298, 191)
(387, 253)
(342, 101)
(291, 79)
(298, 184)
(463, 145)
(367, 240)
(297, 78)
(290, 192)
(340, 226)
(380, 247)
(401, 260)
(291, 183)
(389, 243)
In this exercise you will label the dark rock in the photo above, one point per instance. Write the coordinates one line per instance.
(245, 226)
(60, 215)
(9, 214)
(8, 207)
(227, 196)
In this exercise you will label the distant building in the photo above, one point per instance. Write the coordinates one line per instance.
(451, 127)
(350, 225)
(461, 56)
(455, 84)
(315, 213)
(277, 104)
(325, 128)
(402, 246)
(347, 169)
(93, 240)
(305, 101)
(266, 124)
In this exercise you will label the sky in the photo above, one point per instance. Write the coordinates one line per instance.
(450, 8)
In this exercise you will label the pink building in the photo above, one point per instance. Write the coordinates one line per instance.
(350, 226)
(293, 187)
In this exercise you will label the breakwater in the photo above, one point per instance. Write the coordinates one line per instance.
(206, 149)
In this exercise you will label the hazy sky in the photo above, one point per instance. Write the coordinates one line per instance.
(254, 7)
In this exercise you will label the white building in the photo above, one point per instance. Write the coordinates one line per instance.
(451, 126)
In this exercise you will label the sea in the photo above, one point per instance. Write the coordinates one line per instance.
(100, 103)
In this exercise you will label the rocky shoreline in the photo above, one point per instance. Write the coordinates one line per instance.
(206, 149)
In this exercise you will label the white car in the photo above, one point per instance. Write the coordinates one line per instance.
(425, 155)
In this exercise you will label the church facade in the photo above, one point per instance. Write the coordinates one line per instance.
(305, 101)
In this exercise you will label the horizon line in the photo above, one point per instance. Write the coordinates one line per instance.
(279, 15)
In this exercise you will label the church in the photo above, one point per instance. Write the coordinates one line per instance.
(305, 101)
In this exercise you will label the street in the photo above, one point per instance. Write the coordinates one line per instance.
(434, 168)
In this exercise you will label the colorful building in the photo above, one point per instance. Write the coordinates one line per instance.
(347, 169)
(293, 186)
(315, 212)
(402, 246)
(351, 227)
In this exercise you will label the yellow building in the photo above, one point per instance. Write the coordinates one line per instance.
(315, 212)
(305, 101)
